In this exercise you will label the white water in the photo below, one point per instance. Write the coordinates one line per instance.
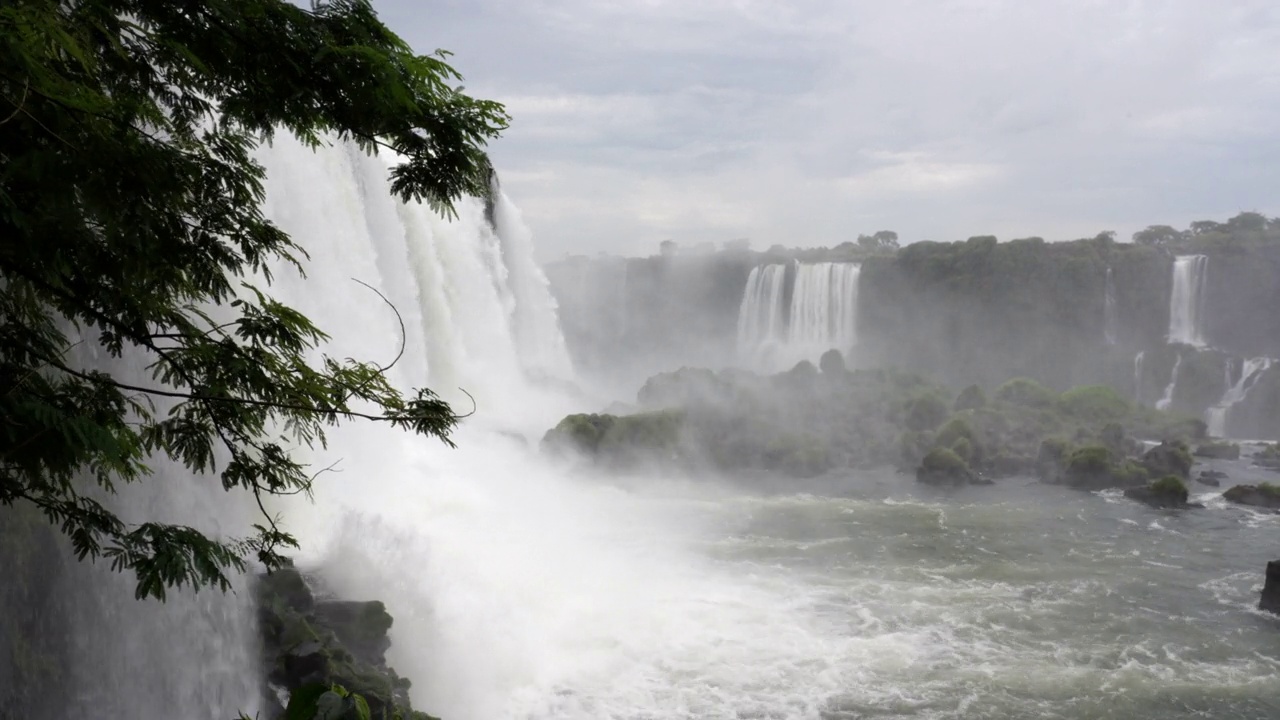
(1167, 399)
(822, 315)
(1110, 315)
(520, 592)
(761, 326)
(1137, 375)
(824, 307)
(1187, 300)
(1216, 417)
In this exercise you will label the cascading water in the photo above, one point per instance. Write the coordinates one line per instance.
(1187, 300)
(761, 325)
(1137, 375)
(1110, 315)
(1167, 399)
(1216, 416)
(824, 307)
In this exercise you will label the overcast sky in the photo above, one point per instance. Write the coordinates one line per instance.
(806, 122)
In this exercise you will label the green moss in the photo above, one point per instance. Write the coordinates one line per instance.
(944, 460)
(1267, 488)
(957, 428)
(1025, 392)
(1170, 485)
(1090, 460)
(1094, 403)
(1218, 451)
(964, 449)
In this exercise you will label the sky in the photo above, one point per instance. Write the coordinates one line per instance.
(807, 122)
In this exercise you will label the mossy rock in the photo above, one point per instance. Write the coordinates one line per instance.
(1167, 492)
(1094, 404)
(1026, 393)
(1218, 451)
(1169, 458)
(942, 466)
(927, 412)
(1051, 459)
(1094, 467)
(832, 363)
(1263, 495)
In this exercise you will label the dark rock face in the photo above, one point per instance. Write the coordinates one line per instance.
(308, 643)
(1271, 589)
(1168, 458)
(1263, 496)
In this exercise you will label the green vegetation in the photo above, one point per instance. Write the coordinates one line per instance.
(971, 398)
(1025, 392)
(805, 423)
(1171, 485)
(131, 217)
(1220, 450)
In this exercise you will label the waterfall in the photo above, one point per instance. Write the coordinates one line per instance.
(1167, 399)
(823, 313)
(1187, 300)
(477, 317)
(1110, 317)
(824, 307)
(1137, 375)
(1216, 416)
(761, 328)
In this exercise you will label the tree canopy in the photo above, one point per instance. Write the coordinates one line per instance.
(131, 216)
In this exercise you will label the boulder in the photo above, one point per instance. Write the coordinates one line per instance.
(1168, 492)
(942, 466)
(1271, 589)
(1218, 451)
(361, 627)
(1264, 495)
(1268, 456)
(1094, 467)
(1212, 478)
(1169, 458)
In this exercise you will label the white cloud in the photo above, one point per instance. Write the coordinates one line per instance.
(810, 121)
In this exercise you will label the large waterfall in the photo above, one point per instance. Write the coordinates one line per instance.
(1187, 300)
(822, 314)
(1251, 370)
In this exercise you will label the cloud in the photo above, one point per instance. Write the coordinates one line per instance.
(810, 121)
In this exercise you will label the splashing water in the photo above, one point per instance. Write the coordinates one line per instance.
(1216, 417)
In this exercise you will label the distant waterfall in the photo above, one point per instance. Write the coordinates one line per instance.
(1187, 300)
(1110, 318)
(1216, 416)
(761, 326)
(1164, 402)
(824, 306)
(822, 314)
(1137, 375)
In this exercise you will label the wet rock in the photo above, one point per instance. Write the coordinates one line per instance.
(1268, 457)
(1169, 458)
(361, 627)
(1094, 467)
(1271, 589)
(308, 644)
(1212, 478)
(1218, 451)
(944, 467)
(1264, 495)
(1167, 493)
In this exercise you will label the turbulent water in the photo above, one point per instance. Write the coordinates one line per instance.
(522, 590)
(1187, 300)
